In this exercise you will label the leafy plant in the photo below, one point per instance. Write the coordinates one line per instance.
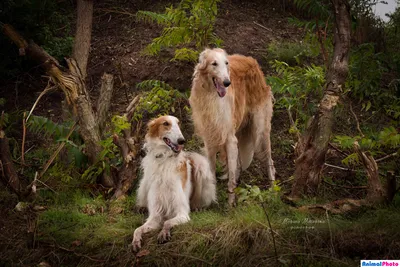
(160, 99)
(291, 53)
(190, 23)
(314, 8)
(59, 132)
(297, 89)
(254, 193)
(109, 156)
(365, 72)
(386, 141)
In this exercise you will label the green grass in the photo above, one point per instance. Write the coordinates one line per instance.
(219, 236)
(82, 230)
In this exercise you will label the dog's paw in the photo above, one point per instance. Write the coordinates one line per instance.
(164, 236)
(196, 208)
(136, 245)
(232, 199)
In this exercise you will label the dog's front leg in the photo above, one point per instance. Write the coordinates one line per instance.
(233, 167)
(152, 223)
(165, 234)
(212, 156)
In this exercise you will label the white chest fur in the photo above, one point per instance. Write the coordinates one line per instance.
(161, 188)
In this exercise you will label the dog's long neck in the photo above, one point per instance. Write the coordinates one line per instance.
(157, 151)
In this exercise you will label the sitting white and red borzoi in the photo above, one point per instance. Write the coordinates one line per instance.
(174, 181)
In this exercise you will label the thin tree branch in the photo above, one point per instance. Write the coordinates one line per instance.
(61, 146)
(23, 139)
(45, 91)
(337, 167)
(387, 156)
(357, 122)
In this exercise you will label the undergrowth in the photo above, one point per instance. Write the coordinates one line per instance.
(102, 231)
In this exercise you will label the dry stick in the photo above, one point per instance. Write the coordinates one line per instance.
(338, 150)
(45, 91)
(54, 191)
(272, 232)
(262, 26)
(48, 163)
(23, 141)
(29, 149)
(357, 122)
(286, 181)
(337, 167)
(386, 157)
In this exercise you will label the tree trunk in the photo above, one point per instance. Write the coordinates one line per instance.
(8, 173)
(316, 139)
(71, 82)
(104, 101)
(83, 34)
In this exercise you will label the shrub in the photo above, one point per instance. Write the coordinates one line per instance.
(190, 23)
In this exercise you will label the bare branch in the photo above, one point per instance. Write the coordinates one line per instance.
(387, 157)
(23, 139)
(357, 122)
(61, 146)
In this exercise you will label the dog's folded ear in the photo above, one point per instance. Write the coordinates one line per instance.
(151, 123)
(203, 59)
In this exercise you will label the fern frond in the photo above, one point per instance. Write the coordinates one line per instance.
(316, 8)
(186, 54)
(191, 22)
(39, 124)
(171, 36)
(148, 16)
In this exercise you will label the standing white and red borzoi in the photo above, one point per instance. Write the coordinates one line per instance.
(232, 111)
(173, 181)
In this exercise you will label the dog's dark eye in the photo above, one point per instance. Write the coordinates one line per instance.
(166, 123)
(215, 64)
(226, 63)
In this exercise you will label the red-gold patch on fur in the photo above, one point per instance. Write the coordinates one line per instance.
(182, 169)
(158, 126)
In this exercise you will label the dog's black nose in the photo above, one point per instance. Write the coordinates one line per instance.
(181, 141)
(227, 83)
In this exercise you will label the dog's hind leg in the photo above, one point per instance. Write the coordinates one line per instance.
(152, 223)
(262, 135)
(233, 167)
(246, 147)
(165, 234)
